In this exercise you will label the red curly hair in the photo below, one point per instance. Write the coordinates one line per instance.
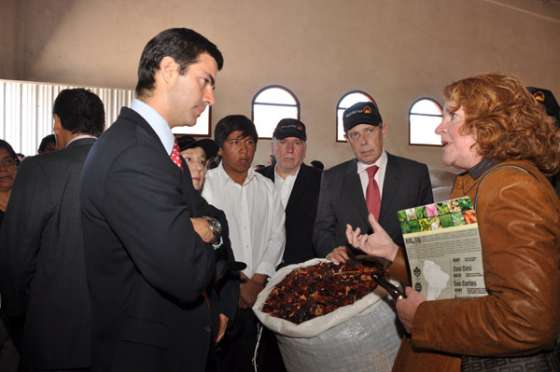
(506, 120)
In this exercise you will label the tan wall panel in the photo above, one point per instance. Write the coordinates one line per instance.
(8, 12)
(396, 50)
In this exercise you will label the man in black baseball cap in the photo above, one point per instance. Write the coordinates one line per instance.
(298, 186)
(375, 183)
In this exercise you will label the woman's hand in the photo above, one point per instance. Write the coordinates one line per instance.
(406, 307)
(377, 244)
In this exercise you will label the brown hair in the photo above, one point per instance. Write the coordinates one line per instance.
(506, 120)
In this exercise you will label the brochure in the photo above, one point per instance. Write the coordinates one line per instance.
(443, 247)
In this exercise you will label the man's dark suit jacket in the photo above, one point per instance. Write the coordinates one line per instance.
(300, 213)
(147, 268)
(43, 273)
(341, 201)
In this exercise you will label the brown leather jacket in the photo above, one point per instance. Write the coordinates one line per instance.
(519, 220)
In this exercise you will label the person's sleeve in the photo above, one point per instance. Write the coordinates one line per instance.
(324, 230)
(20, 238)
(145, 207)
(227, 287)
(520, 229)
(277, 239)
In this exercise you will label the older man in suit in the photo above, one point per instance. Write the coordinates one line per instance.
(375, 182)
(148, 240)
(43, 277)
(298, 186)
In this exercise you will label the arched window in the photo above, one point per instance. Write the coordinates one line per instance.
(270, 105)
(344, 102)
(202, 126)
(424, 116)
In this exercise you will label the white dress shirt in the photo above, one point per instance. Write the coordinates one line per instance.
(381, 162)
(284, 186)
(255, 218)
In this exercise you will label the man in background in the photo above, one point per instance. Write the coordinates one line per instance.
(43, 278)
(256, 225)
(375, 182)
(48, 144)
(298, 186)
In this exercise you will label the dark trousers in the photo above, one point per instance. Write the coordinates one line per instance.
(62, 370)
(269, 356)
(9, 357)
(235, 352)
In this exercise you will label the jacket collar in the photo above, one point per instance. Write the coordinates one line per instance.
(479, 169)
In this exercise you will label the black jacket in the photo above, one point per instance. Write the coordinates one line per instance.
(43, 276)
(300, 213)
(148, 270)
(341, 201)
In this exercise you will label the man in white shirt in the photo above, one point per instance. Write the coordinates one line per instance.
(256, 225)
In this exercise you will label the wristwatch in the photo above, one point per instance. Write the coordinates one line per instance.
(215, 227)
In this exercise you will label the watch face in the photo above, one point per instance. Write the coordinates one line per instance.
(215, 225)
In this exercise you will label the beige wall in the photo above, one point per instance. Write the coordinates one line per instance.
(397, 50)
(8, 12)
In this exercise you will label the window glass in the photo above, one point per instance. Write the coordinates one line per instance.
(346, 101)
(270, 105)
(424, 116)
(201, 128)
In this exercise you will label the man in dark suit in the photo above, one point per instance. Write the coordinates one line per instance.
(298, 186)
(148, 242)
(43, 278)
(350, 191)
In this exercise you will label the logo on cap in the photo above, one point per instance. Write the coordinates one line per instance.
(539, 96)
(366, 110)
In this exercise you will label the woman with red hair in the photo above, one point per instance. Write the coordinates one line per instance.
(494, 130)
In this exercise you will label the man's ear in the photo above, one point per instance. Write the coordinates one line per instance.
(384, 129)
(168, 69)
(57, 124)
(220, 152)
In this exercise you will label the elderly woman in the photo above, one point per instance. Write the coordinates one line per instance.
(8, 166)
(224, 293)
(494, 130)
(197, 153)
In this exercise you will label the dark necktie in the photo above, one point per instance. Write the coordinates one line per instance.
(373, 197)
(176, 156)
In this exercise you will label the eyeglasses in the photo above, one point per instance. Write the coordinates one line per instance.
(8, 162)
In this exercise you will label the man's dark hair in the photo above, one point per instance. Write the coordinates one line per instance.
(49, 139)
(5, 145)
(80, 111)
(181, 44)
(232, 123)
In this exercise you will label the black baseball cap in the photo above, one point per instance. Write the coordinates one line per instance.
(290, 128)
(361, 113)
